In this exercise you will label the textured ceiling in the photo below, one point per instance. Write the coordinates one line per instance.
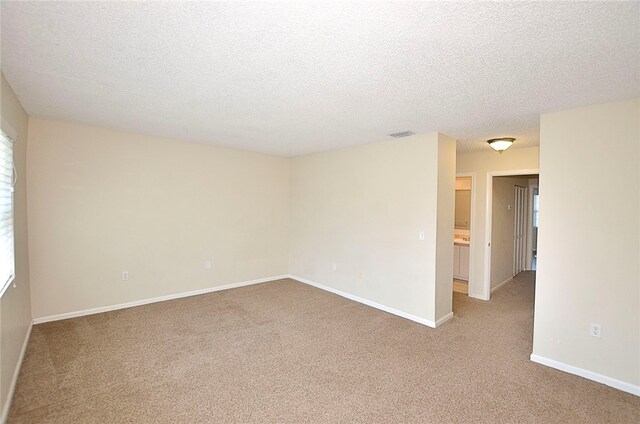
(294, 78)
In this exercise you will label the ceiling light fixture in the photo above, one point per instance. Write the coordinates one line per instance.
(501, 144)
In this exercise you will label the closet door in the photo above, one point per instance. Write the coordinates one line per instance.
(520, 229)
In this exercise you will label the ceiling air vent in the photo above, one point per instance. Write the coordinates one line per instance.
(402, 134)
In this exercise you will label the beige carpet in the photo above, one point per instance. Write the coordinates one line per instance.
(285, 352)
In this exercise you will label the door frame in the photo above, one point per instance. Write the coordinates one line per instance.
(529, 258)
(488, 218)
(471, 282)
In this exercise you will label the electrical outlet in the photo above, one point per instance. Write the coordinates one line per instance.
(596, 330)
(125, 275)
(208, 264)
(334, 266)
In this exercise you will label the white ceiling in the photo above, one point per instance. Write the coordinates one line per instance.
(294, 78)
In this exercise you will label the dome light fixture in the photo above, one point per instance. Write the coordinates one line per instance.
(501, 144)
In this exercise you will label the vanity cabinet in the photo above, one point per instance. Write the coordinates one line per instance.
(461, 262)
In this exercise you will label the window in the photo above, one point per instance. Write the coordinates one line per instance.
(7, 181)
(536, 209)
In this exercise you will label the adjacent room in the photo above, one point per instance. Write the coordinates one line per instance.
(462, 235)
(267, 212)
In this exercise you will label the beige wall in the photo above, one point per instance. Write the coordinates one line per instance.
(362, 208)
(444, 225)
(481, 163)
(589, 240)
(15, 305)
(102, 202)
(502, 227)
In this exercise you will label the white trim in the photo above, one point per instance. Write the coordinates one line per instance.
(501, 284)
(364, 301)
(14, 379)
(8, 129)
(102, 309)
(10, 281)
(444, 319)
(611, 382)
(475, 296)
(487, 225)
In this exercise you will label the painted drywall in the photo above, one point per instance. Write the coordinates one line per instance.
(479, 164)
(362, 209)
(446, 205)
(102, 202)
(589, 240)
(15, 305)
(502, 227)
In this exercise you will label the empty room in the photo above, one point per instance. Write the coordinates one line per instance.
(291, 212)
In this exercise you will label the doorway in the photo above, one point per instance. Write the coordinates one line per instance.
(510, 237)
(464, 201)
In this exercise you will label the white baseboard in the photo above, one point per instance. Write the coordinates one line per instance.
(501, 284)
(444, 319)
(14, 379)
(477, 296)
(109, 308)
(611, 382)
(364, 301)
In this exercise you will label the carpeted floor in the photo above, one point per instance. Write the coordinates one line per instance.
(284, 352)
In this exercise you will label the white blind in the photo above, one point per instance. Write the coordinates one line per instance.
(7, 181)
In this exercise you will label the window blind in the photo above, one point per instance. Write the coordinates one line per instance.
(7, 181)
